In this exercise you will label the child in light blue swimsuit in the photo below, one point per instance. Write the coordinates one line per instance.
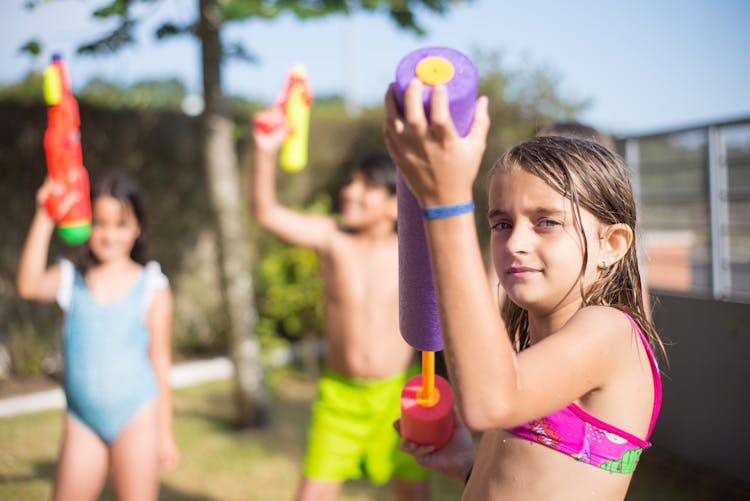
(116, 342)
(96, 365)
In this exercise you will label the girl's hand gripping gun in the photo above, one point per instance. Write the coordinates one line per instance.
(62, 145)
(427, 416)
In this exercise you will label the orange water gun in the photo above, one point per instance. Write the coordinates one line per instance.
(62, 145)
(294, 100)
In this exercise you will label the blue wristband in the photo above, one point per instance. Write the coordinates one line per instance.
(443, 211)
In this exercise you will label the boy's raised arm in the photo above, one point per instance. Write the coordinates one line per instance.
(297, 228)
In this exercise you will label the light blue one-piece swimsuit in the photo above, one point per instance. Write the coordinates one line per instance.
(108, 373)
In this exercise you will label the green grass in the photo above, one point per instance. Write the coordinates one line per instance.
(221, 462)
(218, 461)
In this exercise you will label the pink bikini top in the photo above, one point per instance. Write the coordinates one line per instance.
(581, 436)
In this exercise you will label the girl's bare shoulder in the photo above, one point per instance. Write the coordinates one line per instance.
(600, 320)
(593, 336)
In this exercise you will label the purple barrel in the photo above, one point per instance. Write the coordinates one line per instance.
(419, 320)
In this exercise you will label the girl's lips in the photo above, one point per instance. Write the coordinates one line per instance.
(521, 271)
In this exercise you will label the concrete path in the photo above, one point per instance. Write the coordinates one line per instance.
(181, 375)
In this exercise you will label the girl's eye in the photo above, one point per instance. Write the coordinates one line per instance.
(549, 223)
(502, 225)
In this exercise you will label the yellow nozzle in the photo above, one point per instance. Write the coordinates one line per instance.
(434, 70)
(52, 85)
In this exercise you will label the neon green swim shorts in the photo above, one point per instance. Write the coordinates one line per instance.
(351, 432)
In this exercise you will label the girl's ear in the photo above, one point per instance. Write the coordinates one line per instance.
(615, 241)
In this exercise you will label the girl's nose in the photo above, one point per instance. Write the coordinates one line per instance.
(519, 240)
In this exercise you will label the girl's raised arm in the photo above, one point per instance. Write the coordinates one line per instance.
(440, 168)
(34, 280)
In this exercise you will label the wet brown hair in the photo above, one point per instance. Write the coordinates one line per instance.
(595, 178)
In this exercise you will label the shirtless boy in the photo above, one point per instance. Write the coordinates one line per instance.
(366, 363)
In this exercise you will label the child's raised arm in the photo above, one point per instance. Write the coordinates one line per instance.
(34, 280)
(440, 168)
(296, 228)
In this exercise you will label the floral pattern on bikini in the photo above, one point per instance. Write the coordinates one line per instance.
(625, 463)
(564, 431)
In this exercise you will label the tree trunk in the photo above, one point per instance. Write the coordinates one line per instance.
(220, 160)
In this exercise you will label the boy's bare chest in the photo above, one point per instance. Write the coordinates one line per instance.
(361, 273)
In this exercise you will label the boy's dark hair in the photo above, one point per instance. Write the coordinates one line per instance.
(379, 169)
(125, 189)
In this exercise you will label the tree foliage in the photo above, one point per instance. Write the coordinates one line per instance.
(160, 94)
(521, 99)
(26, 90)
(404, 13)
(289, 288)
(166, 95)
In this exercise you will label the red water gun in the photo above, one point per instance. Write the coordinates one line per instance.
(295, 101)
(62, 145)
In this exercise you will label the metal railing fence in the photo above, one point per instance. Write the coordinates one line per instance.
(693, 187)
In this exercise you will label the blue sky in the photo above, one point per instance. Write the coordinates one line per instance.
(645, 65)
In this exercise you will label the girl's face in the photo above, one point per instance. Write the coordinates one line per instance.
(365, 204)
(114, 229)
(537, 248)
